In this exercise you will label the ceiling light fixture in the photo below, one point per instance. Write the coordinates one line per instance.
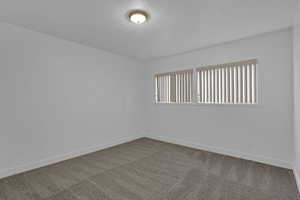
(138, 16)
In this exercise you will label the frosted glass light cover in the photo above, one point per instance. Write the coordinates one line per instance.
(138, 17)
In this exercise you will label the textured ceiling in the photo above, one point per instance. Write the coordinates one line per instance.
(176, 26)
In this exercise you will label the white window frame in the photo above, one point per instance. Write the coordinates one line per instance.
(187, 95)
(195, 102)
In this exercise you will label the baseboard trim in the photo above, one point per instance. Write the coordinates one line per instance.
(246, 156)
(296, 175)
(55, 159)
(59, 158)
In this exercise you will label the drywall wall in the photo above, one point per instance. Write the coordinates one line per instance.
(60, 99)
(262, 132)
(296, 55)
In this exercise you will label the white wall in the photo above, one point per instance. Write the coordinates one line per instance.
(296, 54)
(262, 133)
(59, 99)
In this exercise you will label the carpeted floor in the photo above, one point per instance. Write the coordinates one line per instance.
(151, 170)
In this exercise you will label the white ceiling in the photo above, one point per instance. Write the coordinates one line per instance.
(176, 26)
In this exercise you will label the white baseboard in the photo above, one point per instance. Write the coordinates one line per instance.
(296, 175)
(261, 159)
(59, 158)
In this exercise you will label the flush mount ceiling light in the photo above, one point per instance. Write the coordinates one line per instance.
(138, 16)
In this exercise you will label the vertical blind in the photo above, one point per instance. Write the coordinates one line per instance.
(174, 87)
(233, 83)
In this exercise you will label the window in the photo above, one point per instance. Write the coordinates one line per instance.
(174, 87)
(231, 83)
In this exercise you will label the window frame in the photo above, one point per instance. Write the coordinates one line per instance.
(194, 101)
(172, 73)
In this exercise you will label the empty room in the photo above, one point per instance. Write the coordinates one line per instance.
(150, 100)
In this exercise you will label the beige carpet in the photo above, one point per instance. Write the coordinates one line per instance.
(151, 170)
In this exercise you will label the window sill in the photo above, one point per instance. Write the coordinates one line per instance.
(214, 105)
